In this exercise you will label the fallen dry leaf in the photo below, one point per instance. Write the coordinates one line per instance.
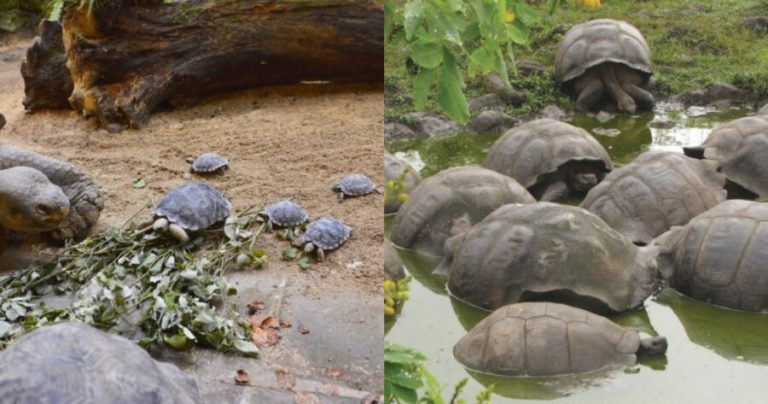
(264, 330)
(242, 377)
(305, 398)
(285, 379)
(372, 399)
(285, 324)
(256, 305)
(334, 373)
(304, 330)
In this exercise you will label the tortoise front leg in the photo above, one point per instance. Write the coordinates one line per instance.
(590, 95)
(320, 254)
(643, 98)
(557, 191)
(623, 100)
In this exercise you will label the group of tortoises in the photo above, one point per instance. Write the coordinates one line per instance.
(548, 271)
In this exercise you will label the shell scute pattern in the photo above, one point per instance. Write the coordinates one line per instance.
(194, 206)
(355, 185)
(209, 162)
(327, 233)
(286, 213)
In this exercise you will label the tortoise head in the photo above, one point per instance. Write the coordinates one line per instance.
(582, 179)
(653, 346)
(29, 202)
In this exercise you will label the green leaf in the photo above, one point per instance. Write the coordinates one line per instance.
(290, 253)
(526, 14)
(139, 183)
(405, 394)
(412, 16)
(402, 375)
(305, 262)
(178, 341)
(433, 387)
(450, 86)
(552, 6)
(247, 348)
(422, 83)
(518, 32)
(427, 55)
(482, 60)
(5, 328)
(390, 12)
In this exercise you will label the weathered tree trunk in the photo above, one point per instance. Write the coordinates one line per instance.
(128, 57)
(47, 82)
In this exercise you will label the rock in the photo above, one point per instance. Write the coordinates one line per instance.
(757, 23)
(553, 112)
(720, 95)
(491, 122)
(508, 94)
(432, 124)
(398, 131)
(604, 116)
(662, 123)
(487, 102)
(725, 91)
(528, 67)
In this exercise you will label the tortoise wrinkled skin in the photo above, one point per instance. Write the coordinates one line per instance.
(739, 148)
(459, 194)
(547, 251)
(605, 57)
(324, 234)
(547, 339)
(354, 185)
(209, 163)
(193, 206)
(75, 363)
(286, 213)
(544, 152)
(719, 257)
(393, 266)
(84, 195)
(656, 191)
(400, 172)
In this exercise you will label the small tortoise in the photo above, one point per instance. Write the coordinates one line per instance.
(547, 339)
(605, 57)
(720, 256)
(546, 251)
(29, 202)
(451, 199)
(552, 159)
(354, 185)
(285, 213)
(656, 191)
(739, 147)
(403, 176)
(324, 234)
(75, 363)
(85, 203)
(193, 206)
(208, 163)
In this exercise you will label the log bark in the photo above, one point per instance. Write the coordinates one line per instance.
(47, 82)
(127, 58)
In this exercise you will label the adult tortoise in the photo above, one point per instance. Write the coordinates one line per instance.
(85, 202)
(400, 179)
(739, 148)
(552, 252)
(547, 339)
(720, 256)
(656, 191)
(75, 363)
(451, 199)
(552, 159)
(602, 58)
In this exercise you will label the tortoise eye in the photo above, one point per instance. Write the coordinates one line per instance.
(44, 209)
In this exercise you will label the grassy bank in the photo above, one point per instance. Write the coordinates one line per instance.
(693, 44)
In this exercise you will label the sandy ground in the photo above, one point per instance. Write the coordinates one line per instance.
(282, 142)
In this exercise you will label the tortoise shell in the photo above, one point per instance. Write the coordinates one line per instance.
(327, 233)
(355, 185)
(194, 206)
(209, 162)
(656, 191)
(286, 213)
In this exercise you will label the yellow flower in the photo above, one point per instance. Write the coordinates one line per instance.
(509, 16)
(590, 4)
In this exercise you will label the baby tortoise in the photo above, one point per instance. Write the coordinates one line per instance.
(285, 213)
(190, 207)
(208, 163)
(324, 234)
(354, 185)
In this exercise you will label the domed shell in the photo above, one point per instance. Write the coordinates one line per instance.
(327, 233)
(397, 170)
(355, 185)
(194, 206)
(425, 220)
(393, 266)
(545, 339)
(740, 147)
(209, 162)
(547, 251)
(530, 151)
(286, 213)
(75, 363)
(720, 256)
(600, 41)
(656, 191)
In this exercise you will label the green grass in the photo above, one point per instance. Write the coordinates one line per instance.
(693, 44)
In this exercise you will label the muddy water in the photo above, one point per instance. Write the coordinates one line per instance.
(715, 355)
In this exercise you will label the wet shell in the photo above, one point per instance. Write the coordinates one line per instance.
(209, 162)
(286, 213)
(355, 185)
(327, 233)
(194, 206)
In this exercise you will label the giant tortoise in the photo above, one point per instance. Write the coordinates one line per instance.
(658, 190)
(547, 339)
(547, 251)
(451, 199)
(602, 58)
(720, 256)
(551, 158)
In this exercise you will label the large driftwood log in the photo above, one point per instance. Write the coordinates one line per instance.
(128, 57)
(47, 82)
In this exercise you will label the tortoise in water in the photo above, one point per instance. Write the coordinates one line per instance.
(324, 234)
(605, 57)
(402, 176)
(354, 185)
(285, 213)
(547, 339)
(75, 363)
(208, 163)
(551, 158)
(656, 191)
(720, 256)
(393, 266)
(546, 251)
(85, 203)
(739, 148)
(190, 207)
(29, 202)
(451, 199)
